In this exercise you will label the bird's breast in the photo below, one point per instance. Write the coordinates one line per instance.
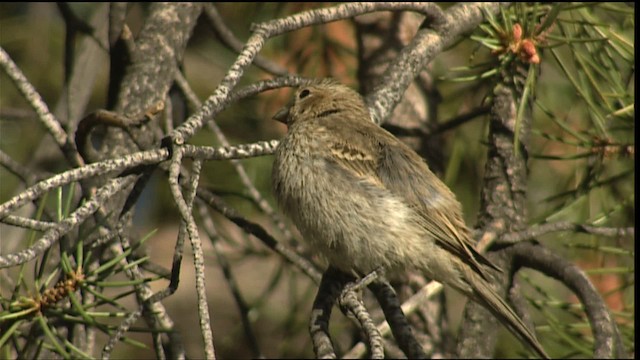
(293, 172)
(353, 222)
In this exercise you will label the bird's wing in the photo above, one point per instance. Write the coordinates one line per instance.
(406, 174)
(373, 154)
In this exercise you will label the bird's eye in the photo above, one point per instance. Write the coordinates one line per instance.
(304, 93)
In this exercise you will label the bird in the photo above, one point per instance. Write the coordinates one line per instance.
(365, 200)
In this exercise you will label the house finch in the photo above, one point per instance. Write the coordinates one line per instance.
(365, 200)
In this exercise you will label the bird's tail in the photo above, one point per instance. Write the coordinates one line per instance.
(486, 296)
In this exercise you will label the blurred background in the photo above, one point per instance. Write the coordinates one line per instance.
(581, 163)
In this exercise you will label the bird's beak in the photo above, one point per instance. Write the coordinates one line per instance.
(282, 115)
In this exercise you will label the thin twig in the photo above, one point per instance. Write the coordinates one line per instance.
(28, 176)
(264, 31)
(349, 300)
(242, 173)
(189, 223)
(243, 308)
(51, 123)
(539, 230)
(67, 224)
(132, 161)
(259, 232)
(28, 223)
(229, 39)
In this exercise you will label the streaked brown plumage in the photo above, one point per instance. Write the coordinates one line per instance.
(365, 200)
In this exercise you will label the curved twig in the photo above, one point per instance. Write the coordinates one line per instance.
(605, 331)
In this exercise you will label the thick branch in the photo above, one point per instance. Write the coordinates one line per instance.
(502, 202)
(438, 33)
